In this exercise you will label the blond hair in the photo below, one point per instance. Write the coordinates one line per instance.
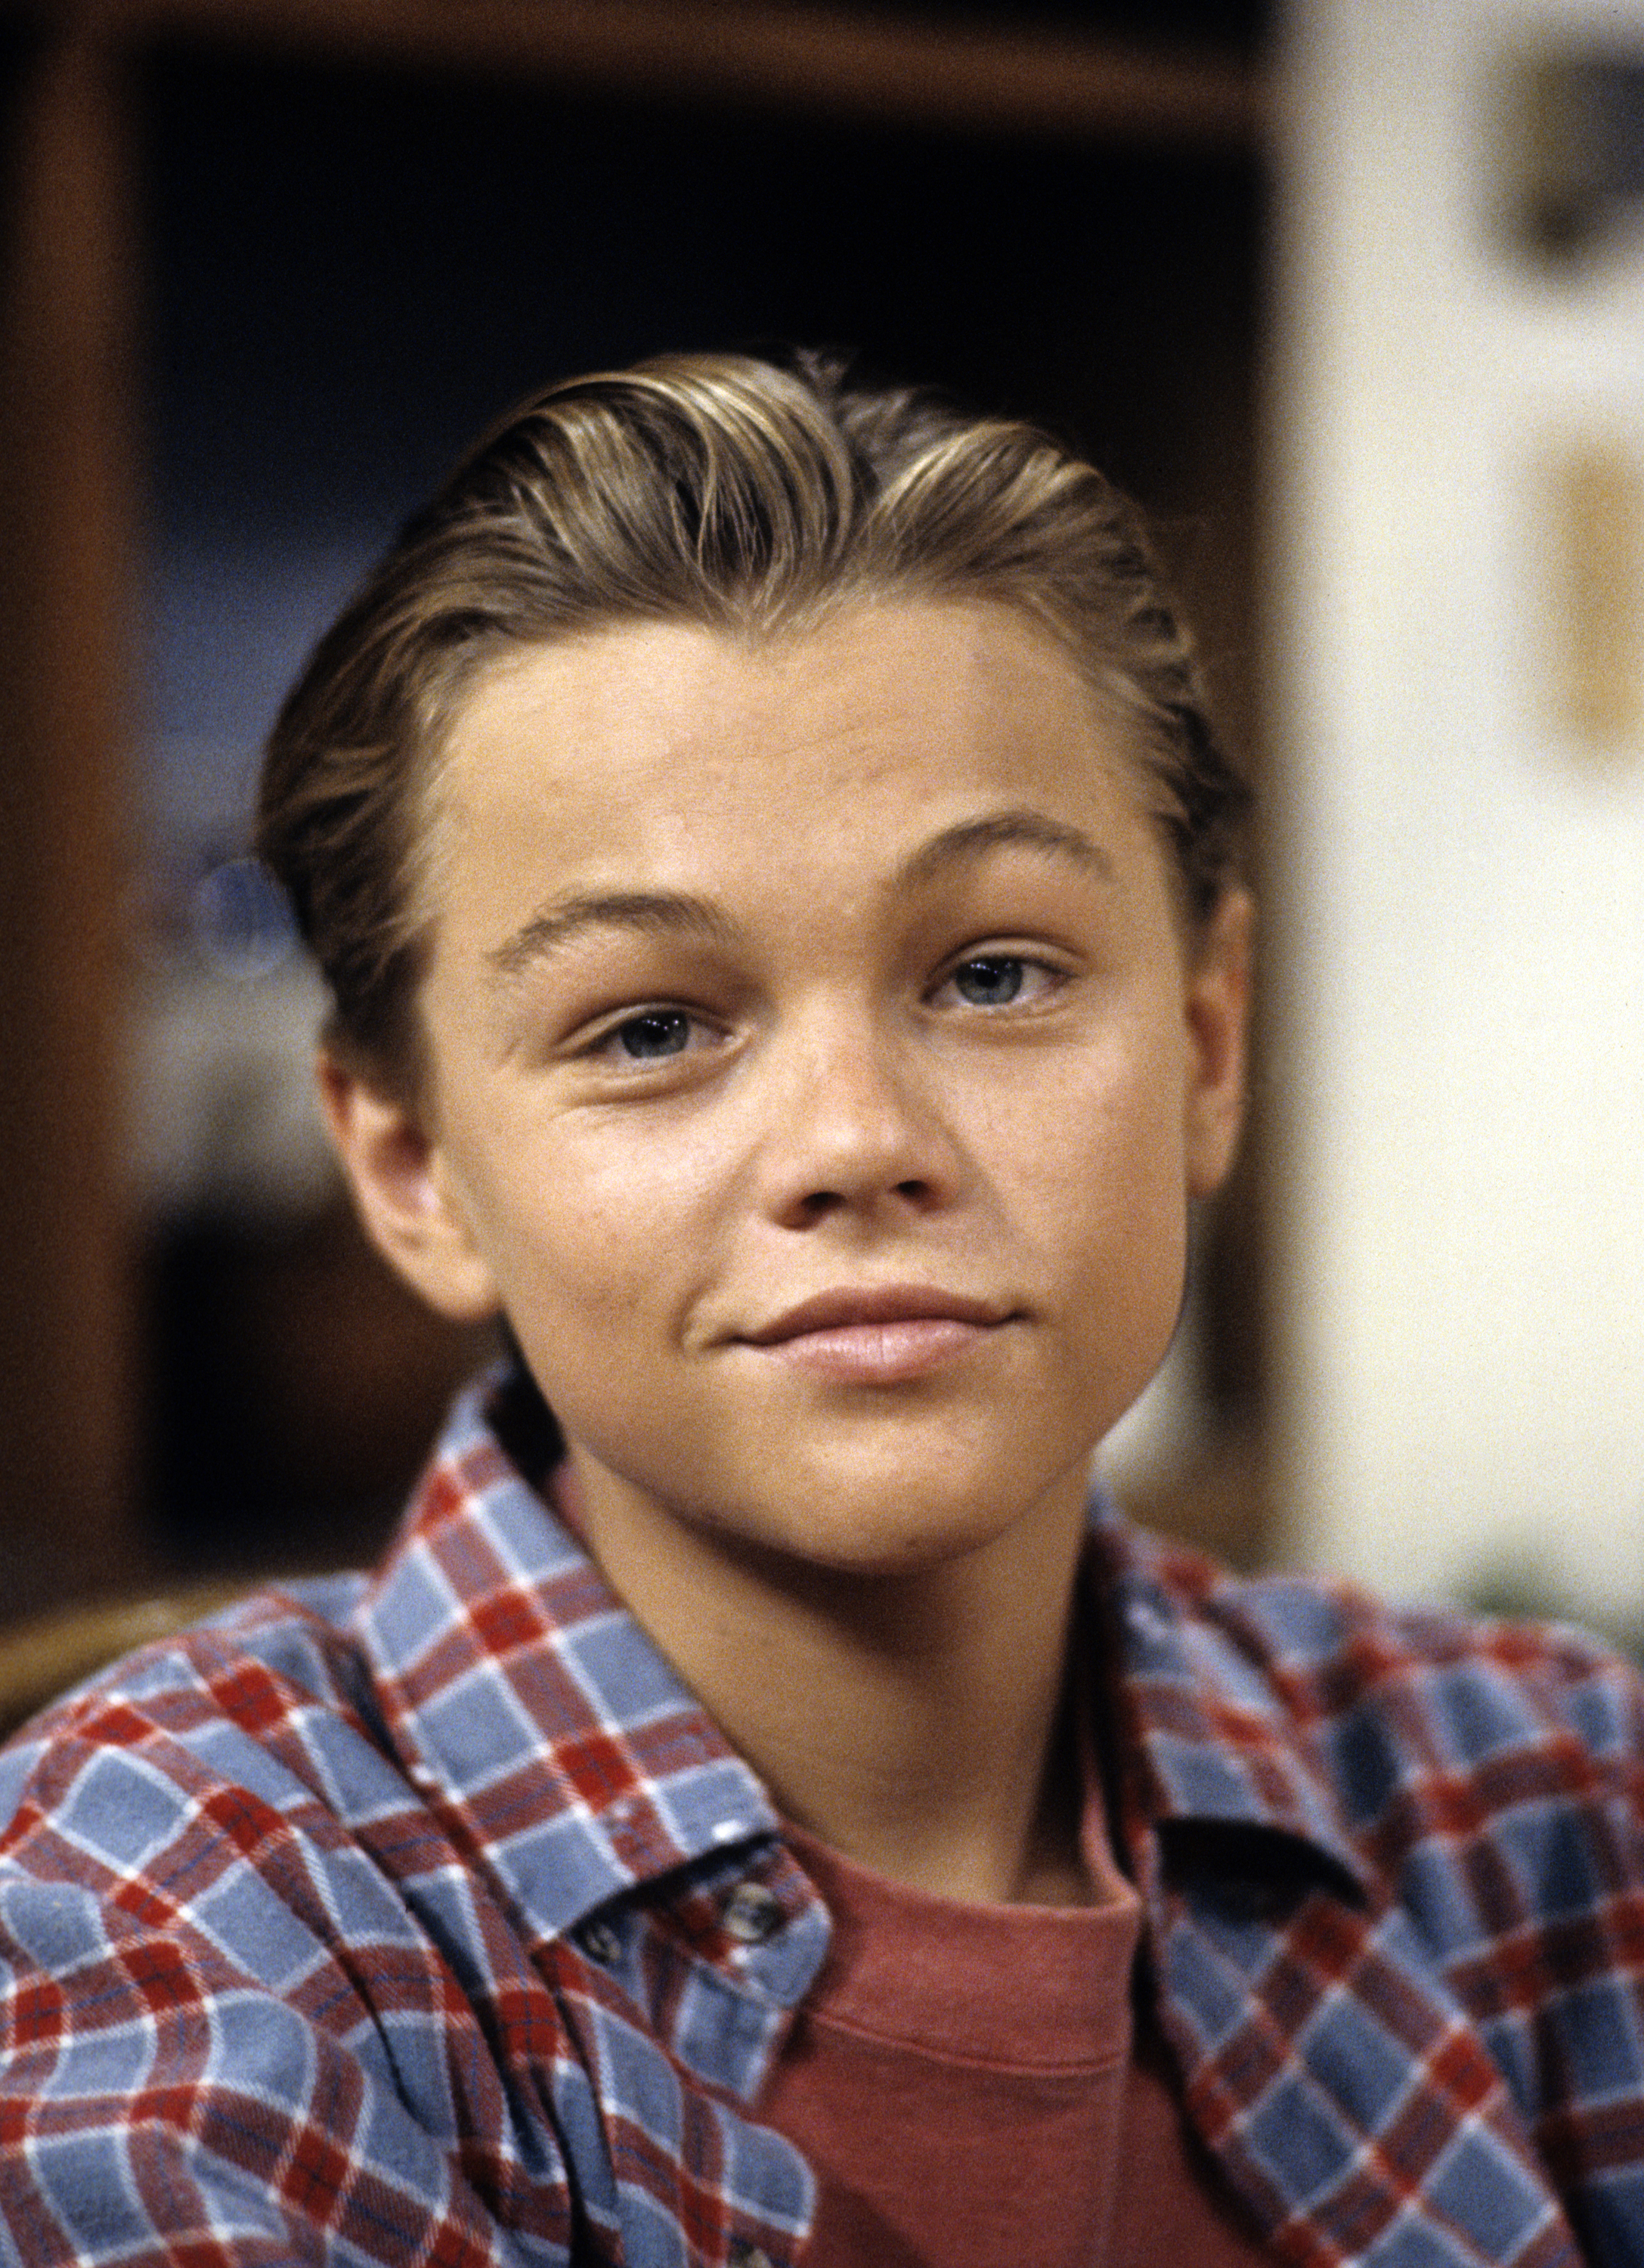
(740, 495)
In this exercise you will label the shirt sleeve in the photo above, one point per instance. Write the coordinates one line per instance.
(227, 2037)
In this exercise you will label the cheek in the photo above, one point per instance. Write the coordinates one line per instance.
(595, 1221)
(1099, 1139)
(1104, 1207)
(1127, 1233)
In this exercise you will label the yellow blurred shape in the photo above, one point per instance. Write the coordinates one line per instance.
(1594, 505)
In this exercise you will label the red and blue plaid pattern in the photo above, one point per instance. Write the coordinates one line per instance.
(1394, 1870)
(426, 1919)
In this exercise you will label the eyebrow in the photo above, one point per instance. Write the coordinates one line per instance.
(1003, 830)
(649, 913)
(676, 913)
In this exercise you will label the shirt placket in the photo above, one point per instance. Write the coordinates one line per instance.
(713, 1980)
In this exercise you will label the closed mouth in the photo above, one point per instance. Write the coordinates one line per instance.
(850, 1307)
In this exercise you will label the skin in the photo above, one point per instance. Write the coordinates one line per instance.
(845, 962)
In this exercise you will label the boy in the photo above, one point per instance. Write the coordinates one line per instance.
(778, 893)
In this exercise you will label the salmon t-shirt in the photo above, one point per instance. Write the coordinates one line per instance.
(965, 2083)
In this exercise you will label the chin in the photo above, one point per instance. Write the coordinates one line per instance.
(870, 1553)
(901, 1523)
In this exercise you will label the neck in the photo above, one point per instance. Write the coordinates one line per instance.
(917, 1722)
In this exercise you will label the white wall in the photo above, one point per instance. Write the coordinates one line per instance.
(1459, 924)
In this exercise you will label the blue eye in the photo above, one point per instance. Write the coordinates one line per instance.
(992, 980)
(658, 1032)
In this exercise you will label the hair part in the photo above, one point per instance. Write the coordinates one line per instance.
(739, 495)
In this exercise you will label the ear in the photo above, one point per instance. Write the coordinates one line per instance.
(403, 1191)
(1218, 989)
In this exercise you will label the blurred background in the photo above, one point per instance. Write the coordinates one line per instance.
(1352, 299)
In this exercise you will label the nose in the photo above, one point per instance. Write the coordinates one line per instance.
(855, 1128)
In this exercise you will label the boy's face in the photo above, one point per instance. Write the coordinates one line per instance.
(819, 1078)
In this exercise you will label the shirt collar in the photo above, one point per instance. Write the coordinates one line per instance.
(527, 1702)
(530, 1704)
(1214, 1730)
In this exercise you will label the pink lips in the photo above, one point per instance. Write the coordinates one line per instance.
(879, 1337)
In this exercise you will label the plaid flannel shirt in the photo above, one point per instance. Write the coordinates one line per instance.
(426, 1919)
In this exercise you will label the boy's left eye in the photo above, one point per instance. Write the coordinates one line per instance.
(990, 983)
(996, 980)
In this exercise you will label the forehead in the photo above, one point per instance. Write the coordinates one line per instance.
(638, 726)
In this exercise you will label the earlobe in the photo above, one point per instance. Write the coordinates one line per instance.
(1218, 1030)
(403, 1192)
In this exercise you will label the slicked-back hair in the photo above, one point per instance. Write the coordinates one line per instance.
(746, 496)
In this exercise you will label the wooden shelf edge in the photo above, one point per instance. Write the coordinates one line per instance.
(806, 59)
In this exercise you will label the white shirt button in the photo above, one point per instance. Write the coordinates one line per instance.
(599, 1941)
(752, 1914)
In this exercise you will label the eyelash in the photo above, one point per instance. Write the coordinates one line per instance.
(606, 1045)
